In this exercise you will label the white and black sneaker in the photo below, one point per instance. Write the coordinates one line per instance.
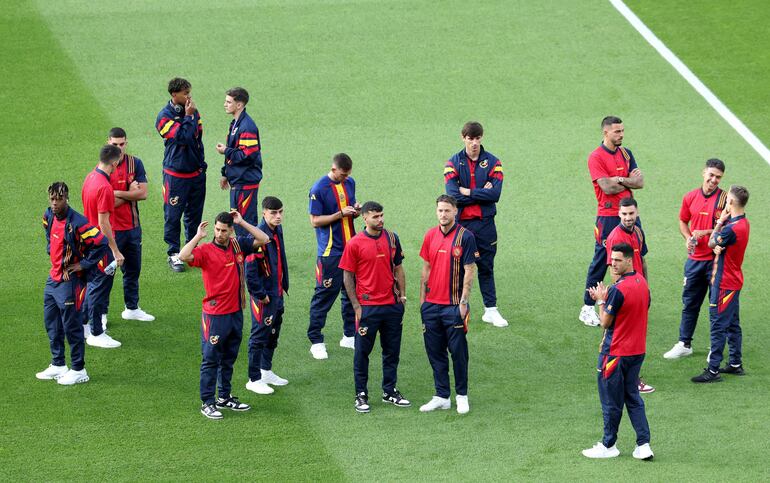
(175, 263)
(395, 398)
(362, 402)
(232, 403)
(211, 411)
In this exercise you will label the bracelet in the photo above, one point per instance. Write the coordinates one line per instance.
(402, 297)
(600, 302)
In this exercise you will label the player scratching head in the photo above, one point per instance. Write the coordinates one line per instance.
(471, 134)
(58, 197)
(628, 213)
(712, 175)
(272, 211)
(373, 217)
(622, 259)
(612, 132)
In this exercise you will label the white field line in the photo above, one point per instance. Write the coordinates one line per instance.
(699, 86)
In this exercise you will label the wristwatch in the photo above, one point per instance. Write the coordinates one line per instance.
(621, 179)
(463, 302)
(600, 302)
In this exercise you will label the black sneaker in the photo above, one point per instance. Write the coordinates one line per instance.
(395, 398)
(175, 263)
(734, 370)
(707, 376)
(362, 402)
(232, 403)
(211, 411)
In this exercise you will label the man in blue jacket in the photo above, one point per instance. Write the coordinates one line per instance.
(474, 177)
(184, 167)
(242, 170)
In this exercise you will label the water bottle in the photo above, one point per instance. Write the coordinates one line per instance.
(110, 270)
(693, 242)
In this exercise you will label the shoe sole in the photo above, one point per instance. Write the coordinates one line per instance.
(362, 411)
(397, 405)
(646, 458)
(79, 381)
(707, 382)
(319, 358)
(435, 409)
(678, 356)
(215, 418)
(280, 384)
(136, 318)
(234, 409)
(647, 392)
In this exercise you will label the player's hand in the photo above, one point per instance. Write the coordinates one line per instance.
(69, 269)
(202, 230)
(190, 107)
(349, 211)
(689, 243)
(463, 310)
(237, 218)
(465, 191)
(265, 300)
(725, 215)
(718, 249)
(221, 148)
(223, 183)
(119, 258)
(488, 185)
(636, 172)
(357, 311)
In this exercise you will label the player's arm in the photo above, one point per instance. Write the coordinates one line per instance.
(186, 253)
(94, 245)
(260, 237)
(349, 280)
(470, 274)
(254, 275)
(601, 293)
(106, 228)
(319, 221)
(136, 192)
(245, 151)
(726, 238)
(610, 185)
(424, 276)
(492, 189)
(47, 235)
(644, 269)
(634, 181)
(452, 185)
(400, 276)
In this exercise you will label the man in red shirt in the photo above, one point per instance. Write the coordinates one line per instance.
(449, 253)
(375, 283)
(621, 354)
(98, 207)
(729, 241)
(614, 174)
(221, 263)
(129, 185)
(701, 208)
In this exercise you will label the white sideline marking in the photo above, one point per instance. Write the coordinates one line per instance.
(685, 72)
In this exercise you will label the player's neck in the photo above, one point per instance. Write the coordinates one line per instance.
(609, 145)
(446, 229)
(373, 232)
(734, 212)
(237, 114)
(474, 159)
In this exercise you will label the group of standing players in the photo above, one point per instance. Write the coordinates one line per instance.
(364, 269)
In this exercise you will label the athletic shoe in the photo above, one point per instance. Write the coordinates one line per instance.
(679, 350)
(52, 372)
(175, 263)
(211, 411)
(588, 316)
(492, 316)
(73, 377)
(102, 340)
(601, 451)
(232, 403)
(319, 351)
(86, 331)
(436, 403)
(270, 377)
(643, 452)
(137, 314)
(734, 370)
(395, 398)
(462, 404)
(707, 376)
(259, 386)
(348, 342)
(645, 388)
(362, 402)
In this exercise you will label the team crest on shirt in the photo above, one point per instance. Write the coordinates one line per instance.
(235, 130)
(457, 251)
(362, 331)
(173, 201)
(327, 283)
(269, 320)
(214, 339)
(483, 164)
(609, 308)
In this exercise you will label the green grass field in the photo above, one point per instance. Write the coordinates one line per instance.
(390, 83)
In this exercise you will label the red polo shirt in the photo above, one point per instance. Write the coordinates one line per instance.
(371, 259)
(97, 196)
(701, 212)
(635, 238)
(222, 270)
(447, 253)
(603, 163)
(629, 301)
(130, 169)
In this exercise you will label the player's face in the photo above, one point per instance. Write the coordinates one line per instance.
(628, 215)
(339, 175)
(180, 98)
(621, 265)
(222, 233)
(273, 217)
(58, 204)
(446, 213)
(119, 142)
(374, 220)
(614, 134)
(472, 146)
(711, 179)
(231, 107)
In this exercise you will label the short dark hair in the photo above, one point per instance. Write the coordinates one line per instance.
(628, 201)
(472, 129)
(740, 193)
(271, 203)
(116, 132)
(239, 94)
(371, 207)
(610, 120)
(108, 153)
(716, 163)
(342, 161)
(59, 189)
(225, 218)
(447, 199)
(177, 84)
(625, 249)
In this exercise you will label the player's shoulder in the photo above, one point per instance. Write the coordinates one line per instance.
(466, 233)
(320, 184)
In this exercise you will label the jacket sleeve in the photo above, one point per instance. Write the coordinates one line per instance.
(254, 282)
(491, 194)
(452, 185)
(177, 132)
(47, 234)
(93, 244)
(246, 150)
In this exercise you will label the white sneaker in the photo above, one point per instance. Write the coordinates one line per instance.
(348, 342)
(601, 451)
(73, 377)
(588, 316)
(319, 351)
(436, 403)
(270, 377)
(52, 372)
(643, 452)
(679, 350)
(137, 314)
(492, 316)
(462, 404)
(260, 387)
(102, 340)
(86, 331)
